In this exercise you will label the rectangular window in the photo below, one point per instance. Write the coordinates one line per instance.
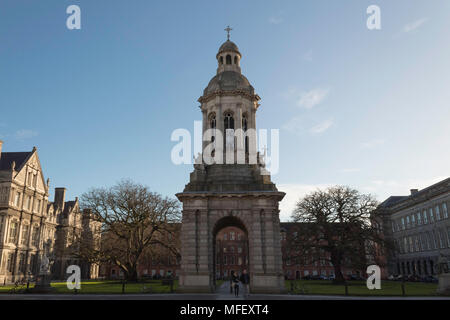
(444, 210)
(405, 245)
(393, 226)
(419, 218)
(35, 236)
(441, 238)
(422, 242)
(10, 263)
(431, 215)
(425, 217)
(403, 224)
(34, 180)
(13, 232)
(433, 236)
(232, 235)
(17, 199)
(28, 203)
(411, 248)
(413, 220)
(25, 229)
(416, 242)
(428, 240)
(438, 213)
(408, 225)
(448, 237)
(2, 222)
(22, 263)
(38, 205)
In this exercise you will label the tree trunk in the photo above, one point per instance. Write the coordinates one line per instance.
(132, 275)
(339, 277)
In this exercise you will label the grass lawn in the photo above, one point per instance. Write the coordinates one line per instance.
(154, 286)
(359, 288)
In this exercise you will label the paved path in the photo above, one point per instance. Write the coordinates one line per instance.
(223, 293)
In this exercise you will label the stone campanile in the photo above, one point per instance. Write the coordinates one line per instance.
(230, 186)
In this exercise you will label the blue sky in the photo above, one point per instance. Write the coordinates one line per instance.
(369, 109)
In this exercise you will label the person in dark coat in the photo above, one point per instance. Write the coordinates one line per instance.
(235, 283)
(245, 279)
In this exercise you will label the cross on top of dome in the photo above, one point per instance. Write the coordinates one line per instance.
(228, 29)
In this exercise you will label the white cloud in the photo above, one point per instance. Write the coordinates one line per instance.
(372, 143)
(312, 98)
(293, 193)
(322, 126)
(25, 134)
(414, 25)
(350, 170)
(294, 125)
(276, 19)
(384, 188)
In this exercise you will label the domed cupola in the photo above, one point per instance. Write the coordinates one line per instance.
(229, 78)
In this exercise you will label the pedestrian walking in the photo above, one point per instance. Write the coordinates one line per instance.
(245, 280)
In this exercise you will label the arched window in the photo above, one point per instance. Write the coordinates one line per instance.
(244, 123)
(235, 59)
(229, 121)
(212, 121)
(228, 59)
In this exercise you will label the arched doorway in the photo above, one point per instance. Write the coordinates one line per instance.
(230, 248)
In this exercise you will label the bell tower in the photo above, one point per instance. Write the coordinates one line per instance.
(230, 185)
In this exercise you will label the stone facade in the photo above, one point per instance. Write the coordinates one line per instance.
(30, 225)
(230, 186)
(419, 226)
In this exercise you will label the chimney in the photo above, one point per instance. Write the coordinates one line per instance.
(60, 195)
(414, 191)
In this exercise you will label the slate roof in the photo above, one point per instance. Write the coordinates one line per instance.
(229, 81)
(7, 158)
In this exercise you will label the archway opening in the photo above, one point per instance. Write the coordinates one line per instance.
(230, 249)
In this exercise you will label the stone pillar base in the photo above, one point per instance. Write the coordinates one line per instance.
(195, 283)
(267, 284)
(444, 284)
(43, 285)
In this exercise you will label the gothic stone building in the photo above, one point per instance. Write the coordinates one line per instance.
(230, 185)
(419, 226)
(30, 225)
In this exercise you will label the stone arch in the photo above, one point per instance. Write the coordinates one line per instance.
(223, 220)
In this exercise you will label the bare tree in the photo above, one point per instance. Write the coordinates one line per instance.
(336, 227)
(134, 220)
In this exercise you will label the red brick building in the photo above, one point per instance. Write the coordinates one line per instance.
(231, 253)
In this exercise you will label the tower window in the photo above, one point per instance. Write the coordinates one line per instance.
(229, 121)
(228, 59)
(244, 123)
(212, 122)
(235, 59)
(221, 60)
